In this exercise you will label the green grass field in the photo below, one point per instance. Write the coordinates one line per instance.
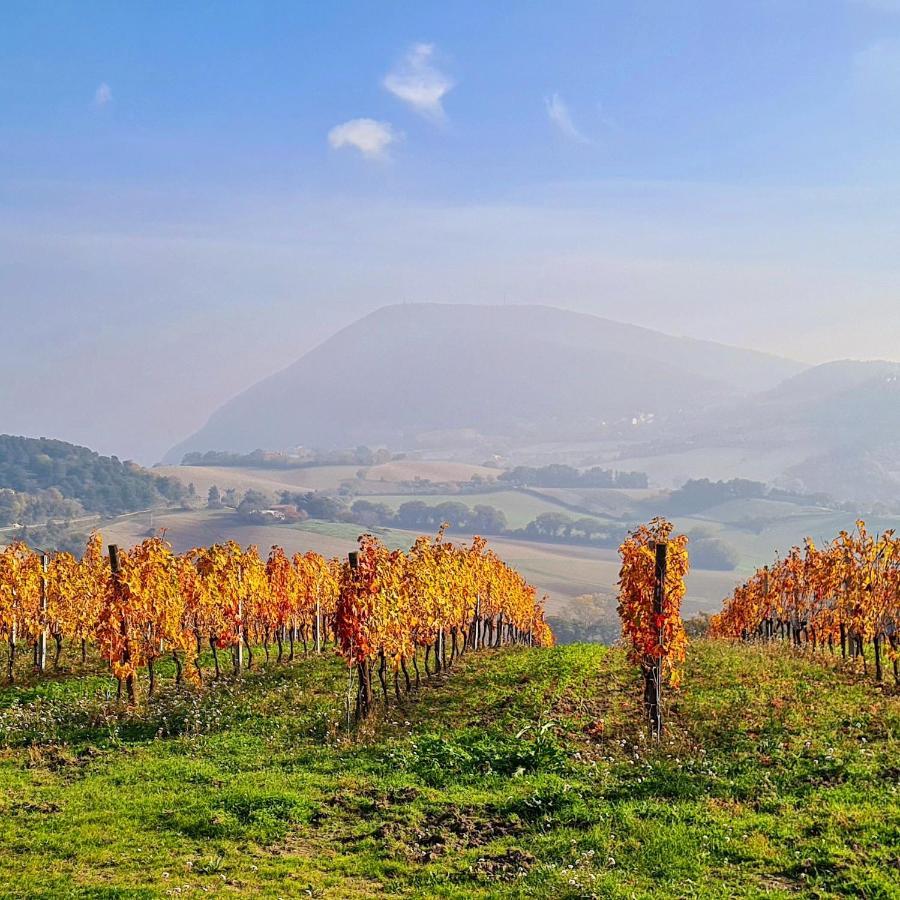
(524, 773)
(519, 508)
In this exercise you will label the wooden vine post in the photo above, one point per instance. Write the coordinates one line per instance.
(653, 671)
(115, 569)
(364, 698)
(651, 588)
(42, 637)
(239, 656)
(318, 621)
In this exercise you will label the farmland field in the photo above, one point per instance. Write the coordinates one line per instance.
(562, 571)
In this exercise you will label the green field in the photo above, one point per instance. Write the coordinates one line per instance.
(522, 774)
(519, 508)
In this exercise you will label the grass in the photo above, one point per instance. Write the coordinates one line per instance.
(518, 507)
(523, 774)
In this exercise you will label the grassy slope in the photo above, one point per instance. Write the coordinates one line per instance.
(524, 774)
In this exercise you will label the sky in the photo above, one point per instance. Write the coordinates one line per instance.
(192, 195)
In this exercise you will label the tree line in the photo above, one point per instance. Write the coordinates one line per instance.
(270, 459)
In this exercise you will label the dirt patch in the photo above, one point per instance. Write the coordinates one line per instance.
(445, 831)
(507, 865)
(41, 808)
(59, 759)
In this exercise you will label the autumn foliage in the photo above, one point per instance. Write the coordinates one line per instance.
(846, 593)
(653, 638)
(151, 602)
(439, 597)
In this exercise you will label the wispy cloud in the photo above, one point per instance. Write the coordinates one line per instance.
(878, 66)
(559, 115)
(417, 82)
(369, 136)
(103, 95)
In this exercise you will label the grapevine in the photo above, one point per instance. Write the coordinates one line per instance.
(846, 593)
(650, 611)
(147, 602)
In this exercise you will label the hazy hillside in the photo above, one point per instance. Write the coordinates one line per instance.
(856, 402)
(847, 416)
(515, 372)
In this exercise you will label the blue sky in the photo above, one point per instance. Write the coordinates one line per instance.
(191, 195)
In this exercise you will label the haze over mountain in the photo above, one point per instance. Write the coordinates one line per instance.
(517, 373)
(847, 413)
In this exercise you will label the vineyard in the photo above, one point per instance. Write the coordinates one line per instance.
(846, 594)
(226, 763)
(381, 608)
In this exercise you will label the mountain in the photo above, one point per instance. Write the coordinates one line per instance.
(520, 373)
(848, 412)
(849, 402)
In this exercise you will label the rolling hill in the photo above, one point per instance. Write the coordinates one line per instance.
(41, 478)
(843, 415)
(416, 373)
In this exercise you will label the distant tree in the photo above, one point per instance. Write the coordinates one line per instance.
(712, 553)
(230, 497)
(254, 499)
(588, 527)
(214, 498)
(632, 480)
(368, 513)
(486, 519)
(589, 618)
(597, 477)
(454, 513)
(317, 505)
(697, 626)
(700, 494)
(415, 514)
(363, 455)
(550, 524)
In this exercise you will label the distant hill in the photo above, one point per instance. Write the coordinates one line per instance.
(42, 478)
(847, 413)
(522, 373)
(854, 403)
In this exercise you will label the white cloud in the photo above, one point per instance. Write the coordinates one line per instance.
(418, 83)
(103, 94)
(370, 137)
(559, 115)
(878, 65)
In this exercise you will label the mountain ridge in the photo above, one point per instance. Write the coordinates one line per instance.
(555, 360)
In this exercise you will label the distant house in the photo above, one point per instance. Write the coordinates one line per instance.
(289, 512)
(281, 514)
